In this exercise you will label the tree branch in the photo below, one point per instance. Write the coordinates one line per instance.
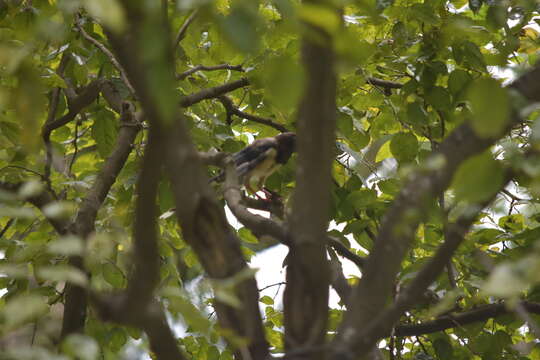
(205, 229)
(183, 29)
(201, 217)
(145, 276)
(306, 294)
(261, 226)
(186, 73)
(213, 92)
(107, 53)
(233, 110)
(257, 224)
(400, 222)
(384, 83)
(481, 313)
(345, 252)
(87, 96)
(135, 305)
(152, 321)
(76, 297)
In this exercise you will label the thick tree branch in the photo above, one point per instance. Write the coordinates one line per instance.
(308, 279)
(135, 306)
(76, 297)
(258, 225)
(206, 230)
(213, 92)
(202, 219)
(262, 226)
(194, 69)
(145, 276)
(399, 224)
(213, 157)
(481, 313)
(342, 250)
(152, 321)
(233, 110)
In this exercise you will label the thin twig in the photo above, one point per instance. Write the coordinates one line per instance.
(183, 29)
(186, 73)
(107, 53)
(213, 92)
(53, 107)
(233, 110)
(25, 169)
(6, 227)
(75, 145)
(384, 83)
(269, 286)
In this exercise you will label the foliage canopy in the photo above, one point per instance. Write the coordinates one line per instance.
(418, 127)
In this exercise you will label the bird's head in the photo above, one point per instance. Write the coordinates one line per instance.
(286, 146)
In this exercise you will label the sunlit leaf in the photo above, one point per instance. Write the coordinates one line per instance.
(491, 107)
(478, 178)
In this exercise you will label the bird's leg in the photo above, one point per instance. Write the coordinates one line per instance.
(252, 191)
(271, 196)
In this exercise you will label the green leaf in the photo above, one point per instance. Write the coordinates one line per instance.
(320, 16)
(267, 300)
(23, 308)
(416, 115)
(240, 28)
(496, 17)
(389, 186)
(513, 223)
(404, 147)
(284, 81)
(213, 353)
(458, 81)
(117, 339)
(362, 198)
(194, 318)
(478, 178)
(443, 349)
(54, 80)
(473, 56)
(104, 132)
(81, 347)
(59, 209)
(109, 12)
(247, 236)
(60, 273)
(66, 245)
(439, 98)
(491, 107)
(113, 275)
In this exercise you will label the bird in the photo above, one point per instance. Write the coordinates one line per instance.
(257, 161)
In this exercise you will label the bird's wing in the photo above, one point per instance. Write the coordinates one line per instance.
(258, 157)
(260, 164)
(254, 151)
